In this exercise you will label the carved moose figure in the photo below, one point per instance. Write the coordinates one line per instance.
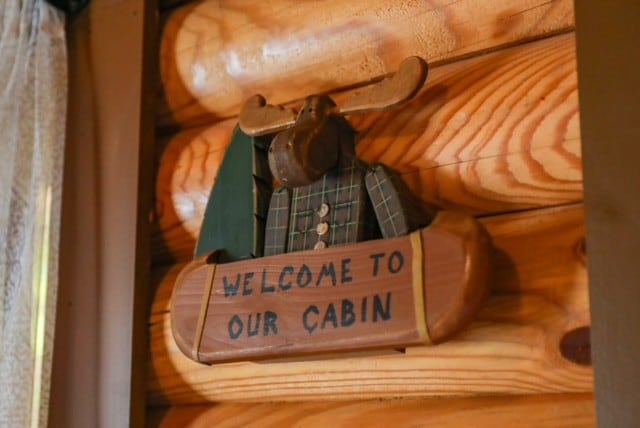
(327, 195)
(230, 305)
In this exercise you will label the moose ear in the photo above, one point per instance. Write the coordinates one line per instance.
(259, 118)
(403, 85)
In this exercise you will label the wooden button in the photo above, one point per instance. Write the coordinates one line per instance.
(322, 228)
(320, 245)
(323, 210)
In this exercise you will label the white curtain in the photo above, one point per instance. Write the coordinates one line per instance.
(33, 93)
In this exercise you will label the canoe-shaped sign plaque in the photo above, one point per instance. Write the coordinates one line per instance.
(416, 289)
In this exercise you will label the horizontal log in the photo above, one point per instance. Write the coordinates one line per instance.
(490, 134)
(539, 294)
(546, 411)
(216, 53)
(187, 169)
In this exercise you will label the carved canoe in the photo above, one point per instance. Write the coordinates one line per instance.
(389, 293)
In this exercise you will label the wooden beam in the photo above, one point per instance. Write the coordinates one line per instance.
(609, 105)
(548, 411)
(217, 53)
(539, 293)
(490, 134)
(101, 348)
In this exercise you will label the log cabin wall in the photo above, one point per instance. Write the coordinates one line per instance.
(494, 132)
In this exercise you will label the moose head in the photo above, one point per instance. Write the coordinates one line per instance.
(310, 142)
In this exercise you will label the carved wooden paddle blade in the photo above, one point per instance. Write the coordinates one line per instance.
(411, 290)
(394, 90)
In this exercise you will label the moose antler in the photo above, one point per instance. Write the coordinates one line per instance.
(259, 118)
(394, 90)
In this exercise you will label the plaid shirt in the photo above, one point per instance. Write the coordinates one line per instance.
(350, 203)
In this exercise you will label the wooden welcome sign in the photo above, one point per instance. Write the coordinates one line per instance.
(322, 285)
(415, 289)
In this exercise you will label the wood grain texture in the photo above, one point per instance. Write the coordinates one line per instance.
(549, 411)
(490, 134)
(539, 292)
(216, 53)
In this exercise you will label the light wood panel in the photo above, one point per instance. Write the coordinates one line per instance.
(549, 411)
(216, 53)
(491, 134)
(101, 337)
(539, 292)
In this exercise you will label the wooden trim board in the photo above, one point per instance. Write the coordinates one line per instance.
(609, 105)
(101, 350)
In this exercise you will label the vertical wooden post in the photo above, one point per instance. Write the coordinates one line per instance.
(99, 370)
(608, 37)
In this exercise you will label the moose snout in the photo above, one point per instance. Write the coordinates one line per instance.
(299, 156)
